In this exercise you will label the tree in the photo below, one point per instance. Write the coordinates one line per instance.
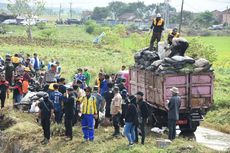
(117, 8)
(205, 19)
(150, 10)
(28, 9)
(138, 8)
(100, 13)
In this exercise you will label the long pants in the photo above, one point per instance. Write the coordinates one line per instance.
(87, 123)
(129, 131)
(58, 116)
(17, 98)
(68, 128)
(142, 128)
(155, 36)
(46, 127)
(172, 129)
(96, 121)
(3, 99)
(116, 121)
(179, 49)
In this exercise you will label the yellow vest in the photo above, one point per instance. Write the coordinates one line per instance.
(159, 23)
(177, 35)
(88, 105)
(15, 59)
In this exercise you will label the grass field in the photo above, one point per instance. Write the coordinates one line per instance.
(27, 134)
(73, 47)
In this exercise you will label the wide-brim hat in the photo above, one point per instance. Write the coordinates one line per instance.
(174, 90)
(27, 69)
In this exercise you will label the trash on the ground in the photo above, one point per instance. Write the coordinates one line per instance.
(162, 143)
(158, 130)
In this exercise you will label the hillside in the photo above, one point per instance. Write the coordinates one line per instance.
(73, 47)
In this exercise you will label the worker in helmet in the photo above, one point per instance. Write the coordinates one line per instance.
(157, 27)
(173, 34)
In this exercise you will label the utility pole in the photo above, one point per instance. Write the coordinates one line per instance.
(70, 10)
(166, 12)
(60, 13)
(181, 15)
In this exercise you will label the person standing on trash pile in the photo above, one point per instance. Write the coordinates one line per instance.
(100, 102)
(143, 114)
(179, 46)
(131, 121)
(4, 90)
(173, 34)
(89, 111)
(69, 113)
(173, 112)
(57, 98)
(116, 111)
(50, 77)
(46, 110)
(157, 27)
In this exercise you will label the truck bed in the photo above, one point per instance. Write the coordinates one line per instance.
(196, 90)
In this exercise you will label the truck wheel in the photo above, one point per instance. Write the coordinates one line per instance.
(187, 129)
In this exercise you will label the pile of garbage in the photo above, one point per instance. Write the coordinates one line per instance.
(150, 60)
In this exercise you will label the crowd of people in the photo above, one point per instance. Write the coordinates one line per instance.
(78, 102)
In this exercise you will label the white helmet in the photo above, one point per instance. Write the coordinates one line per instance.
(158, 15)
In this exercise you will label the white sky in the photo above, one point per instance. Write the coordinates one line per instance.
(191, 5)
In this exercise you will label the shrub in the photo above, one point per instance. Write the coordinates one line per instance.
(198, 49)
(41, 25)
(48, 33)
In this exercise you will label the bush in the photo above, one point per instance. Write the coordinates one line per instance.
(91, 27)
(48, 33)
(198, 49)
(41, 25)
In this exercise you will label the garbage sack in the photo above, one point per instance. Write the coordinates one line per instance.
(203, 69)
(201, 62)
(34, 108)
(157, 63)
(27, 98)
(185, 59)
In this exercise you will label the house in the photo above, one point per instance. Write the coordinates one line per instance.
(217, 15)
(222, 16)
(86, 15)
(129, 18)
(226, 16)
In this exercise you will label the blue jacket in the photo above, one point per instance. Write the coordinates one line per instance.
(57, 98)
(103, 87)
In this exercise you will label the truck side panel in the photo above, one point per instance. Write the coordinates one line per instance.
(179, 81)
(201, 90)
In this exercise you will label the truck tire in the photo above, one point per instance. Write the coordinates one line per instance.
(189, 129)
